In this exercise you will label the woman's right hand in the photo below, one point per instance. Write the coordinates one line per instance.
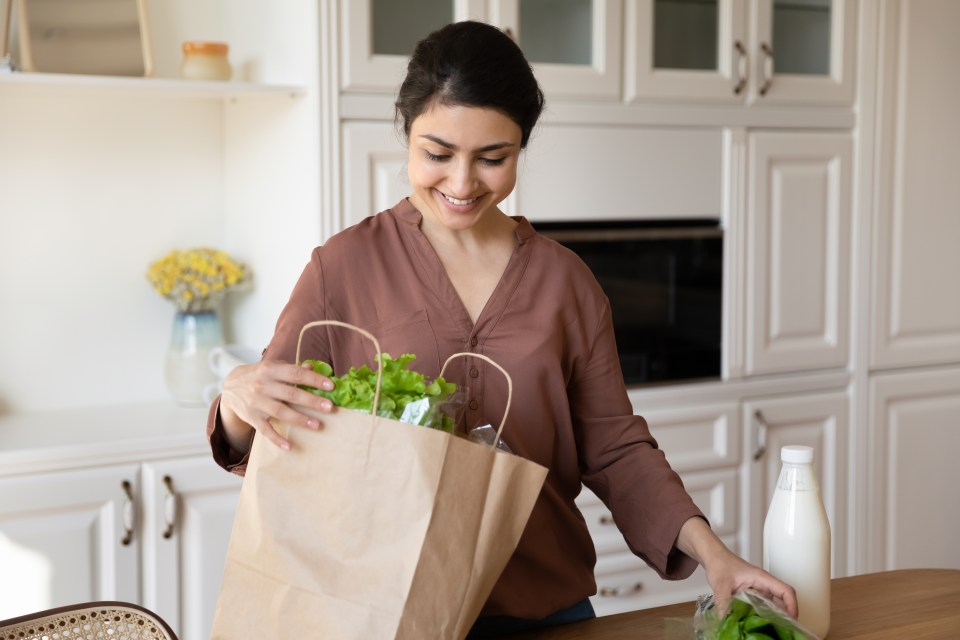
(254, 395)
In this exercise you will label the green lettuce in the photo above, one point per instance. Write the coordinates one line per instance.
(405, 395)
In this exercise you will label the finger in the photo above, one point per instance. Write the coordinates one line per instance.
(790, 604)
(722, 601)
(286, 413)
(305, 375)
(265, 428)
(291, 395)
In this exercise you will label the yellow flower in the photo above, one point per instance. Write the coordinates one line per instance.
(196, 279)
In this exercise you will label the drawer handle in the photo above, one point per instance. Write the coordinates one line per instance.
(169, 508)
(127, 513)
(617, 592)
(606, 519)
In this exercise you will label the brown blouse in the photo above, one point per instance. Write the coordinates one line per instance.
(548, 324)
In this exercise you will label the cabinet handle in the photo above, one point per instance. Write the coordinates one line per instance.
(766, 70)
(741, 67)
(127, 512)
(606, 519)
(169, 507)
(761, 435)
(616, 592)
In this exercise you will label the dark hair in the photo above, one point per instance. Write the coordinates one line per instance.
(470, 64)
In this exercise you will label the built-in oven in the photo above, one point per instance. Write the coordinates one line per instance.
(664, 281)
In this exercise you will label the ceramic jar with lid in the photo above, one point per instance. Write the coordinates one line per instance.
(205, 61)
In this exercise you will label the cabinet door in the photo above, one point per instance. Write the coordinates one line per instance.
(68, 537)
(189, 506)
(573, 45)
(737, 51)
(798, 251)
(378, 37)
(687, 50)
(803, 51)
(374, 170)
(816, 420)
(913, 473)
(916, 309)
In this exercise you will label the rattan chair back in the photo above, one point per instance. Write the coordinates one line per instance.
(88, 621)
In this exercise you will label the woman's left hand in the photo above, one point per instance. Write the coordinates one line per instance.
(728, 573)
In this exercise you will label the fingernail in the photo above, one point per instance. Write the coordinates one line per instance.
(285, 446)
(328, 385)
(313, 424)
(327, 406)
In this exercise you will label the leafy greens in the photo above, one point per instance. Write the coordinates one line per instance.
(405, 395)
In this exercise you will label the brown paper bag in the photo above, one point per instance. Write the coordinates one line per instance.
(371, 529)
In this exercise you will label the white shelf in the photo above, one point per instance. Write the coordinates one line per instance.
(171, 86)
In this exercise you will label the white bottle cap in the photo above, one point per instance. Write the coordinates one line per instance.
(796, 454)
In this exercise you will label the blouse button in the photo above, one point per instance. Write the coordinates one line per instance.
(473, 372)
(474, 405)
(473, 341)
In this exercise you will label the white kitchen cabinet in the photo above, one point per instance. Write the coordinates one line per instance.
(915, 309)
(374, 169)
(114, 503)
(818, 420)
(154, 534)
(68, 536)
(573, 45)
(798, 52)
(188, 510)
(912, 469)
(798, 248)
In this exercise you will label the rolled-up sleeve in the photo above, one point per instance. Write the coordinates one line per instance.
(622, 464)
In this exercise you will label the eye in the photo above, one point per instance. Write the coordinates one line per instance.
(436, 158)
(491, 162)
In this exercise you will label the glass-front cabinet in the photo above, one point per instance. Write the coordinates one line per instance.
(741, 51)
(575, 46)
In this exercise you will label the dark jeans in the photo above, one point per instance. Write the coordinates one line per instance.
(495, 626)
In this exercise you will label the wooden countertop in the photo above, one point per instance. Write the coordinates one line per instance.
(909, 603)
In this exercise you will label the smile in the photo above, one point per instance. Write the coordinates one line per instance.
(457, 201)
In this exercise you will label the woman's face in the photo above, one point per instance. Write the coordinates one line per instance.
(462, 163)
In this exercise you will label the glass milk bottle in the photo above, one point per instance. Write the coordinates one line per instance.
(796, 538)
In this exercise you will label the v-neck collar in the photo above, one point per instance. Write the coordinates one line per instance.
(443, 287)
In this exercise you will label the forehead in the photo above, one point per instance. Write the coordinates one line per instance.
(465, 126)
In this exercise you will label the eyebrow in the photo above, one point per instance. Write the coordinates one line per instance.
(449, 145)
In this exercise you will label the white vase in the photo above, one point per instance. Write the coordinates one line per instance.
(188, 370)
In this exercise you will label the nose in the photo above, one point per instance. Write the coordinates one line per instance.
(462, 180)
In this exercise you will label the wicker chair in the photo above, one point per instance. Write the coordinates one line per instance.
(88, 621)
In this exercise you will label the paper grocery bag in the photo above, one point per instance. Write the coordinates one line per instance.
(371, 529)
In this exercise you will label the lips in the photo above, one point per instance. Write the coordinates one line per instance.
(458, 202)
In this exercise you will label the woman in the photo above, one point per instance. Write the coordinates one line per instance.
(446, 271)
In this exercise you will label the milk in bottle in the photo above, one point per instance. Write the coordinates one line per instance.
(796, 538)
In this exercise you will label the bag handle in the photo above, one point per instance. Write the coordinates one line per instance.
(506, 410)
(366, 334)
(376, 343)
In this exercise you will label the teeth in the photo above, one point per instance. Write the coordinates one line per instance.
(458, 202)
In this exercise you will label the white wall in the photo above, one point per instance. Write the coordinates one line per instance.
(96, 183)
(91, 191)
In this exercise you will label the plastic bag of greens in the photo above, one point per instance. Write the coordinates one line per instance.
(751, 617)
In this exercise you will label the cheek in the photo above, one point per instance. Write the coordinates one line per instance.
(420, 172)
(505, 179)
